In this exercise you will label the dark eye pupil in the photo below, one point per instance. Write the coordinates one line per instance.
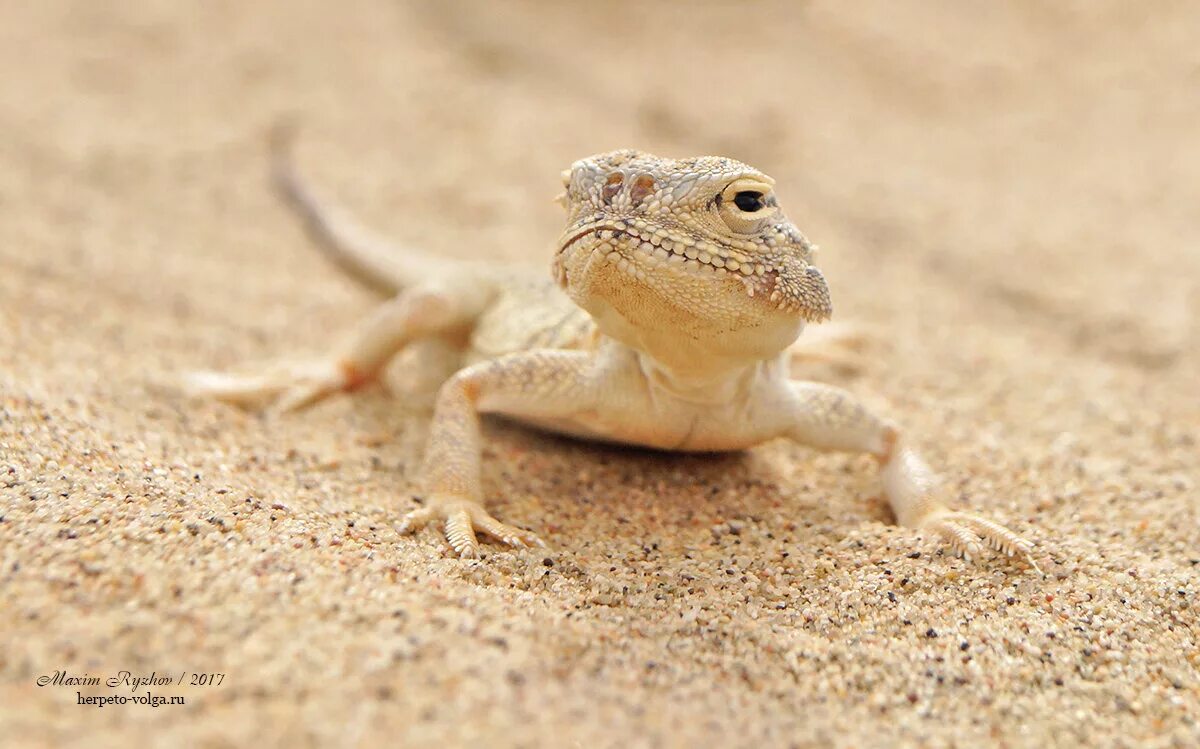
(748, 201)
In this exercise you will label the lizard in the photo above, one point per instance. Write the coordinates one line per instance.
(678, 289)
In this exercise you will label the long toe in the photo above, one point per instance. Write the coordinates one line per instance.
(238, 389)
(508, 534)
(299, 396)
(461, 519)
(997, 536)
(969, 533)
(960, 537)
(415, 520)
(460, 532)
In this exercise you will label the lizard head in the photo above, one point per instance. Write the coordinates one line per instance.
(693, 252)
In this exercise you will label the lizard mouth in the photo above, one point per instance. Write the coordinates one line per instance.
(642, 253)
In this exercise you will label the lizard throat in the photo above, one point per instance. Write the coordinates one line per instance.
(641, 254)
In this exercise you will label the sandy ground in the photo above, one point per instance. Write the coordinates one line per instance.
(1008, 192)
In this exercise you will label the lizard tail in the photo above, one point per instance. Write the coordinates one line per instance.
(365, 256)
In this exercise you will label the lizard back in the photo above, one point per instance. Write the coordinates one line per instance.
(529, 313)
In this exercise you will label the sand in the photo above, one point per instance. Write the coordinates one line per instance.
(1006, 192)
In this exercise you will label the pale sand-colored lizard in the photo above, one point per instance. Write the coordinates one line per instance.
(678, 290)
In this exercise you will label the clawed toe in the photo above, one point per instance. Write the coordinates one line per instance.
(240, 389)
(507, 534)
(968, 534)
(300, 396)
(415, 520)
(285, 388)
(462, 520)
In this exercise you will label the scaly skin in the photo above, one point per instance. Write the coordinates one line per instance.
(679, 289)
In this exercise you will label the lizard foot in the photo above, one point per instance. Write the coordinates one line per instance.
(287, 387)
(462, 518)
(968, 534)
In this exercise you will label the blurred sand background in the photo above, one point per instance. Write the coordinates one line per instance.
(1008, 191)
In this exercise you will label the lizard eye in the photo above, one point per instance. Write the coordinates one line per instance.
(748, 201)
(747, 204)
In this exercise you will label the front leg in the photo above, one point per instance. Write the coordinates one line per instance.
(830, 418)
(540, 384)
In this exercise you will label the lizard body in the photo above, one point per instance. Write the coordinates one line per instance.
(678, 291)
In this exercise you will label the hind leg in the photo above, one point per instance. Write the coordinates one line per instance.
(414, 314)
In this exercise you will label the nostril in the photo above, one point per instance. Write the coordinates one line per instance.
(612, 186)
(643, 186)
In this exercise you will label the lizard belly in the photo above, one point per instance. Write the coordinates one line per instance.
(688, 429)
